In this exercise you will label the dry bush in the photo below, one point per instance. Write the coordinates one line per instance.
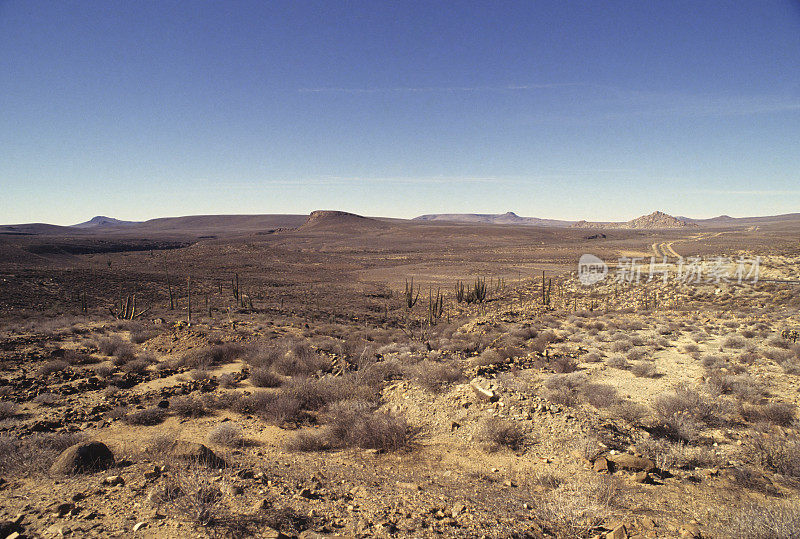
(734, 341)
(776, 451)
(777, 413)
(778, 355)
(577, 505)
(487, 357)
(525, 333)
(629, 411)
(778, 342)
(194, 493)
(48, 399)
(747, 333)
(189, 406)
(592, 357)
(765, 520)
(147, 417)
(74, 357)
(744, 387)
(435, 375)
(8, 410)
(499, 433)
(227, 434)
(618, 362)
(32, 455)
(265, 377)
(564, 364)
(51, 367)
(356, 424)
(690, 348)
(228, 380)
(565, 389)
(201, 374)
(669, 455)
(301, 360)
(684, 412)
(137, 366)
(273, 407)
(600, 395)
(645, 370)
(108, 345)
(623, 344)
(142, 335)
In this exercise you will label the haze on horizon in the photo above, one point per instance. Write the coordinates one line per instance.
(557, 110)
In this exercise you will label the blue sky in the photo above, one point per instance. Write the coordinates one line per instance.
(574, 110)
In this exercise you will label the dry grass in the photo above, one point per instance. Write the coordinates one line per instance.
(499, 433)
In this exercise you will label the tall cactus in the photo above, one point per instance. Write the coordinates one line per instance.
(410, 298)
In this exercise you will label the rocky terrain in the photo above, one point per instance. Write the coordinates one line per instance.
(326, 382)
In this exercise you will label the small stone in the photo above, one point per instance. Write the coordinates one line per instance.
(617, 533)
(114, 480)
(600, 465)
(138, 526)
(408, 486)
(640, 477)
(458, 509)
(64, 508)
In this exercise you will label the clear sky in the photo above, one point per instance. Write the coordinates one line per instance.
(560, 109)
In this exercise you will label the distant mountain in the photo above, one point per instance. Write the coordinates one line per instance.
(655, 220)
(103, 221)
(509, 218)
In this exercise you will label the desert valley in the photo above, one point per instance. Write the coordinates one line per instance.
(335, 375)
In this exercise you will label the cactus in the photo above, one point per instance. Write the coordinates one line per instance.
(410, 299)
(435, 306)
(461, 294)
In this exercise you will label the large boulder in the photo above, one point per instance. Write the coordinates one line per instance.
(84, 457)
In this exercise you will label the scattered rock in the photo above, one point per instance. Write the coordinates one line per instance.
(196, 452)
(618, 532)
(138, 526)
(600, 465)
(83, 457)
(483, 393)
(408, 486)
(114, 480)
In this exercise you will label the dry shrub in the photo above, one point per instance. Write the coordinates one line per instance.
(111, 346)
(618, 362)
(487, 357)
(776, 451)
(147, 417)
(356, 424)
(564, 364)
(577, 505)
(435, 375)
(742, 386)
(48, 399)
(8, 410)
(228, 380)
(51, 367)
(301, 360)
(592, 357)
(142, 335)
(194, 494)
(683, 413)
(669, 455)
(622, 345)
(766, 520)
(499, 433)
(690, 348)
(74, 357)
(137, 366)
(629, 411)
(227, 434)
(734, 341)
(33, 455)
(645, 369)
(273, 407)
(189, 406)
(778, 342)
(265, 377)
(600, 395)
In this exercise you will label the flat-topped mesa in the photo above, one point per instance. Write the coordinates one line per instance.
(334, 220)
